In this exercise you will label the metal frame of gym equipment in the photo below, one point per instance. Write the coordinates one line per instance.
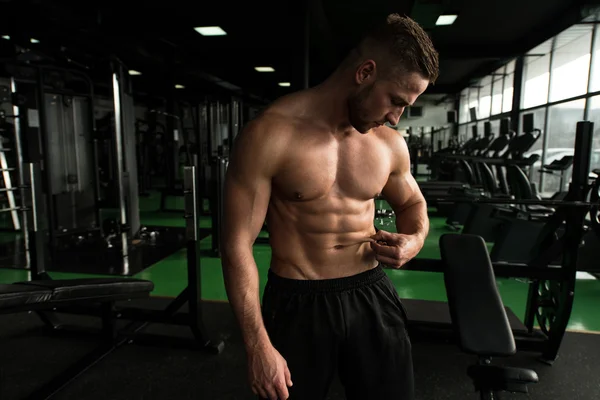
(506, 155)
(193, 318)
(470, 152)
(109, 337)
(553, 268)
(72, 197)
(219, 147)
(28, 146)
(479, 317)
(18, 213)
(177, 138)
(62, 136)
(7, 189)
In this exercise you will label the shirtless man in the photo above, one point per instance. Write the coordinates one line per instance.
(311, 164)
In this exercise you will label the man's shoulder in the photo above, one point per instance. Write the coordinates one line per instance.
(268, 133)
(279, 118)
(391, 136)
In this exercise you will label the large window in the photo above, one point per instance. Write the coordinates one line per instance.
(507, 94)
(485, 98)
(497, 88)
(594, 116)
(462, 133)
(474, 100)
(571, 63)
(536, 76)
(495, 127)
(562, 124)
(562, 121)
(595, 73)
(554, 74)
(464, 107)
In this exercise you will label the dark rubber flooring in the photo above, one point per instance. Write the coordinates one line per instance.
(28, 358)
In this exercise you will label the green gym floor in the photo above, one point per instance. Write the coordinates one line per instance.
(169, 275)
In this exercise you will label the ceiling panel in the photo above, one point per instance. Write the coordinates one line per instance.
(159, 37)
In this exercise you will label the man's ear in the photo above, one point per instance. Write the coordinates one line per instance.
(366, 72)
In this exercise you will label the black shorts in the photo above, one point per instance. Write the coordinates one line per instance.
(355, 326)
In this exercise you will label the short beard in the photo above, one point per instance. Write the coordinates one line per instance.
(356, 106)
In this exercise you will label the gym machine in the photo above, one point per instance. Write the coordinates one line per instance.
(150, 155)
(86, 171)
(13, 201)
(37, 241)
(419, 146)
(133, 246)
(224, 121)
(56, 106)
(478, 316)
(552, 266)
(505, 152)
(108, 298)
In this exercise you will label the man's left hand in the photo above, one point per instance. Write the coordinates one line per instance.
(395, 249)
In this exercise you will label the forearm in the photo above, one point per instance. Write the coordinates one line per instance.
(413, 220)
(242, 286)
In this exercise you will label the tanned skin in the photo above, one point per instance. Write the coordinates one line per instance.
(311, 165)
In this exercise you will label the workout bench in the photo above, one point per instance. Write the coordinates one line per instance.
(479, 317)
(50, 295)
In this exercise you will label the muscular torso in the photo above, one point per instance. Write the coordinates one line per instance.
(320, 214)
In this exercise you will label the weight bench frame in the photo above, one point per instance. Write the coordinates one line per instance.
(479, 317)
(110, 337)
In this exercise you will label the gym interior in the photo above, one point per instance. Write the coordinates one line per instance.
(116, 127)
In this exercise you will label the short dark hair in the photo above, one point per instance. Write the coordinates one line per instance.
(403, 44)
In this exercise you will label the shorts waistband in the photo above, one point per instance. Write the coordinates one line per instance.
(327, 285)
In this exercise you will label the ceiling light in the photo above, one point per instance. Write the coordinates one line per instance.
(284, 84)
(210, 31)
(264, 69)
(134, 72)
(446, 19)
(32, 40)
(6, 37)
(179, 87)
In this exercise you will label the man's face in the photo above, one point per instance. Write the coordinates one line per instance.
(378, 101)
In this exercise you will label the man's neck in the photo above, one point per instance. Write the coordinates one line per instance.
(331, 106)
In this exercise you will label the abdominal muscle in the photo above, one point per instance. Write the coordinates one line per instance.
(320, 240)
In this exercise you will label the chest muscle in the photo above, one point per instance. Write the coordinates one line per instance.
(356, 169)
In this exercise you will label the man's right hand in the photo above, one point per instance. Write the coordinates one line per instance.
(268, 373)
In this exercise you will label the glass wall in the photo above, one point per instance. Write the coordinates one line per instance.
(595, 73)
(463, 115)
(571, 63)
(497, 89)
(462, 133)
(562, 122)
(536, 75)
(485, 98)
(473, 100)
(507, 94)
(560, 86)
(593, 104)
(495, 124)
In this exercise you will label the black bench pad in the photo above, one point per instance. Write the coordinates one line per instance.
(66, 289)
(497, 378)
(16, 295)
(476, 307)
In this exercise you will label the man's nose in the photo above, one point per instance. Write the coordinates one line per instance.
(394, 118)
